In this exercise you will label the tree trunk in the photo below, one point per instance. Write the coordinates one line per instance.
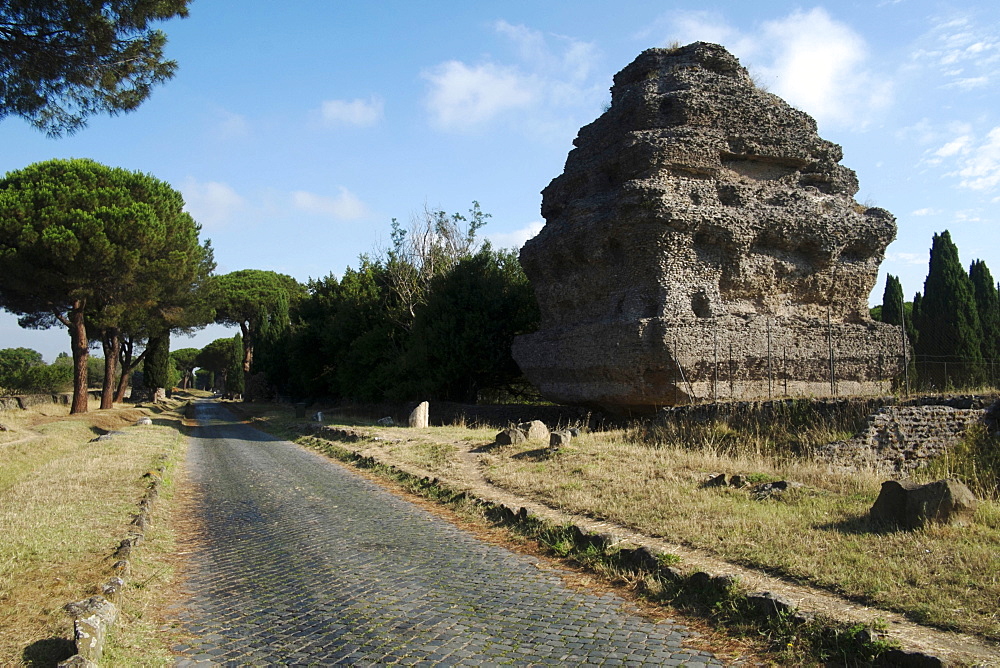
(125, 352)
(111, 343)
(248, 336)
(79, 346)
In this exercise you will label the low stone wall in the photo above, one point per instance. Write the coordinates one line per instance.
(25, 401)
(902, 439)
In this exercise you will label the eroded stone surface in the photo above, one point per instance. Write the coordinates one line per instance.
(703, 242)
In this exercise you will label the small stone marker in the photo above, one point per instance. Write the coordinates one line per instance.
(91, 619)
(144, 421)
(910, 505)
(420, 417)
(318, 416)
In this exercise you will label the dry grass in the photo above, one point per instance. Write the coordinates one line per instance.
(64, 503)
(946, 576)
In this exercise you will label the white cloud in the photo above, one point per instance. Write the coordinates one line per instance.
(926, 212)
(550, 78)
(976, 162)
(463, 96)
(516, 238)
(345, 206)
(357, 112)
(954, 147)
(819, 65)
(964, 53)
(211, 203)
(906, 258)
(808, 58)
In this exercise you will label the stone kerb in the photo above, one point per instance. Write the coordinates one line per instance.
(94, 616)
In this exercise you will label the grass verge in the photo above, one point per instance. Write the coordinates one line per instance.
(64, 504)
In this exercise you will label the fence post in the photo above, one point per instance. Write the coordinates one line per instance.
(715, 364)
(829, 339)
(902, 343)
(770, 377)
(732, 385)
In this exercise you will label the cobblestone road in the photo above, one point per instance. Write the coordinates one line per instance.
(303, 562)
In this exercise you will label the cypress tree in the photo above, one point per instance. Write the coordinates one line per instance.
(988, 306)
(156, 368)
(892, 301)
(949, 347)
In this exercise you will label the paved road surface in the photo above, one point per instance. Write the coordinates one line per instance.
(303, 562)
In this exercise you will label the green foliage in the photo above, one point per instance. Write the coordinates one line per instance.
(258, 302)
(949, 346)
(987, 303)
(235, 378)
(64, 60)
(95, 247)
(156, 370)
(461, 338)
(432, 319)
(14, 361)
(892, 301)
(23, 371)
(184, 362)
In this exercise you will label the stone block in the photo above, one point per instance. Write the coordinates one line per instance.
(911, 506)
(420, 417)
(534, 430)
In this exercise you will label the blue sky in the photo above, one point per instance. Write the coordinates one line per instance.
(296, 131)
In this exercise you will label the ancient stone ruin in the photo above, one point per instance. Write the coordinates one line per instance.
(703, 243)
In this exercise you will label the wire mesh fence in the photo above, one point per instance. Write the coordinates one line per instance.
(773, 358)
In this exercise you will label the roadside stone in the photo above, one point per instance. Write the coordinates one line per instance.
(715, 481)
(768, 489)
(91, 619)
(534, 430)
(557, 439)
(144, 420)
(768, 604)
(385, 422)
(911, 506)
(420, 417)
(510, 436)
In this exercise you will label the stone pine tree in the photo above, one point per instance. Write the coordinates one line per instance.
(82, 244)
(988, 307)
(258, 303)
(949, 347)
(64, 60)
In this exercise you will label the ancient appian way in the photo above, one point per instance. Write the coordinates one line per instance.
(300, 561)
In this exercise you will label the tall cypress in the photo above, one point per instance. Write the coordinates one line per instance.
(949, 348)
(988, 306)
(156, 367)
(892, 301)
